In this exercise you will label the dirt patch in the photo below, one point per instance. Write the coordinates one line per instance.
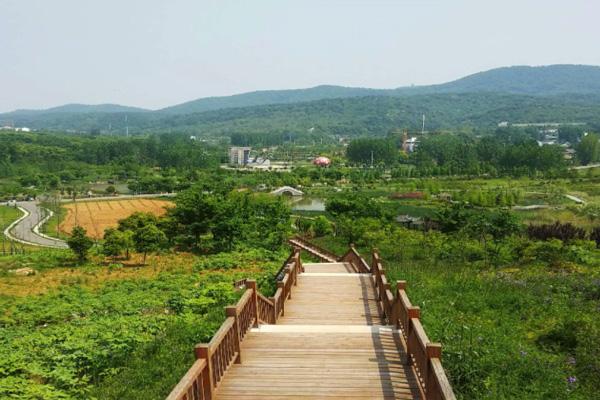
(96, 216)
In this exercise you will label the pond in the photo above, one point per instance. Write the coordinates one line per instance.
(307, 204)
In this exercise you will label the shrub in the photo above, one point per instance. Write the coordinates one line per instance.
(566, 232)
(79, 243)
(322, 226)
(595, 236)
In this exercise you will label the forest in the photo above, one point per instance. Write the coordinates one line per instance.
(355, 116)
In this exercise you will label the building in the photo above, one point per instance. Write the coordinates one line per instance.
(239, 155)
(409, 144)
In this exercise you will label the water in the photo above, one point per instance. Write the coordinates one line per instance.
(307, 204)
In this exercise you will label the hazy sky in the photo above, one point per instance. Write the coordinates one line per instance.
(154, 53)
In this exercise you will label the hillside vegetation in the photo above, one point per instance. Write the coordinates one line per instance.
(557, 93)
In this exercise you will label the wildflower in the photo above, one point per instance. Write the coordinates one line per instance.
(571, 380)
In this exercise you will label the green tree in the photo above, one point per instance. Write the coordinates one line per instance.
(114, 242)
(588, 150)
(372, 151)
(79, 243)
(147, 239)
(322, 226)
(128, 242)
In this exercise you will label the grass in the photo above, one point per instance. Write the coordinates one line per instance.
(515, 332)
(7, 216)
(113, 332)
(51, 227)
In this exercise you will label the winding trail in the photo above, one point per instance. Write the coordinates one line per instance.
(26, 229)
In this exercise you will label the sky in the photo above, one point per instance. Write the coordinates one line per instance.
(156, 53)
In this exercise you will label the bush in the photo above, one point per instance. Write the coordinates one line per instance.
(566, 232)
(595, 236)
(322, 226)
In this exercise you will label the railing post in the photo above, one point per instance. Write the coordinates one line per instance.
(202, 351)
(232, 311)
(251, 285)
(400, 285)
(432, 350)
(413, 312)
(288, 294)
(374, 259)
(299, 265)
(283, 294)
(388, 311)
(272, 299)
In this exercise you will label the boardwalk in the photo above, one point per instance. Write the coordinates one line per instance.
(332, 330)
(330, 343)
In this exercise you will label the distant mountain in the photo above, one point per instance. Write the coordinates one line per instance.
(263, 97)
(81, 108)
(537, 81)
(376, 115)
(556, 87)
(354, 116)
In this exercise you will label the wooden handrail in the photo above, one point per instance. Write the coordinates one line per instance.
(358, 263)
(422, 354)
(214, 358)
(191, 386)
(265, 310)
(315, 250)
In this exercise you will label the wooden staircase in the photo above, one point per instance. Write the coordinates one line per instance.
(331, 331)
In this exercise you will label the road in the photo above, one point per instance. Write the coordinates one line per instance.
(26, 229)
(586, 166)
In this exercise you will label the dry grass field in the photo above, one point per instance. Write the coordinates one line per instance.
(96, 216)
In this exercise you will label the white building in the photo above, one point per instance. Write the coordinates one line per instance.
(239, 155)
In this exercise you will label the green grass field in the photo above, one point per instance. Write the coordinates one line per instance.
(519, 331)
(7, 216)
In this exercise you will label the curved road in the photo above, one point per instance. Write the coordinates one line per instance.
(26, 229)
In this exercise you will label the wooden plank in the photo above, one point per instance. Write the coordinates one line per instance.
(329, 344)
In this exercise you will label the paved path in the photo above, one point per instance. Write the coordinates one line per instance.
(27, 228)
(331, 343)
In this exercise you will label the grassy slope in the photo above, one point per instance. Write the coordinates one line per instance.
(7, 216)
(510, 333)
(123, 333)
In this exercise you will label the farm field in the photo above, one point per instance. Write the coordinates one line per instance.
(96, 216)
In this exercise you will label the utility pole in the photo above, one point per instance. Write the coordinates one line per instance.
(371, 158)
(423, 127)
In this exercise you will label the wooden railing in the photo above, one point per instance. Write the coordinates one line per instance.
(313, 249)
(284, 286)
(224, 349)
(423, 355)
(358, 263)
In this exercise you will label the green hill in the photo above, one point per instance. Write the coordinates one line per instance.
(539, 81)
(557, 93)
(81, 108)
